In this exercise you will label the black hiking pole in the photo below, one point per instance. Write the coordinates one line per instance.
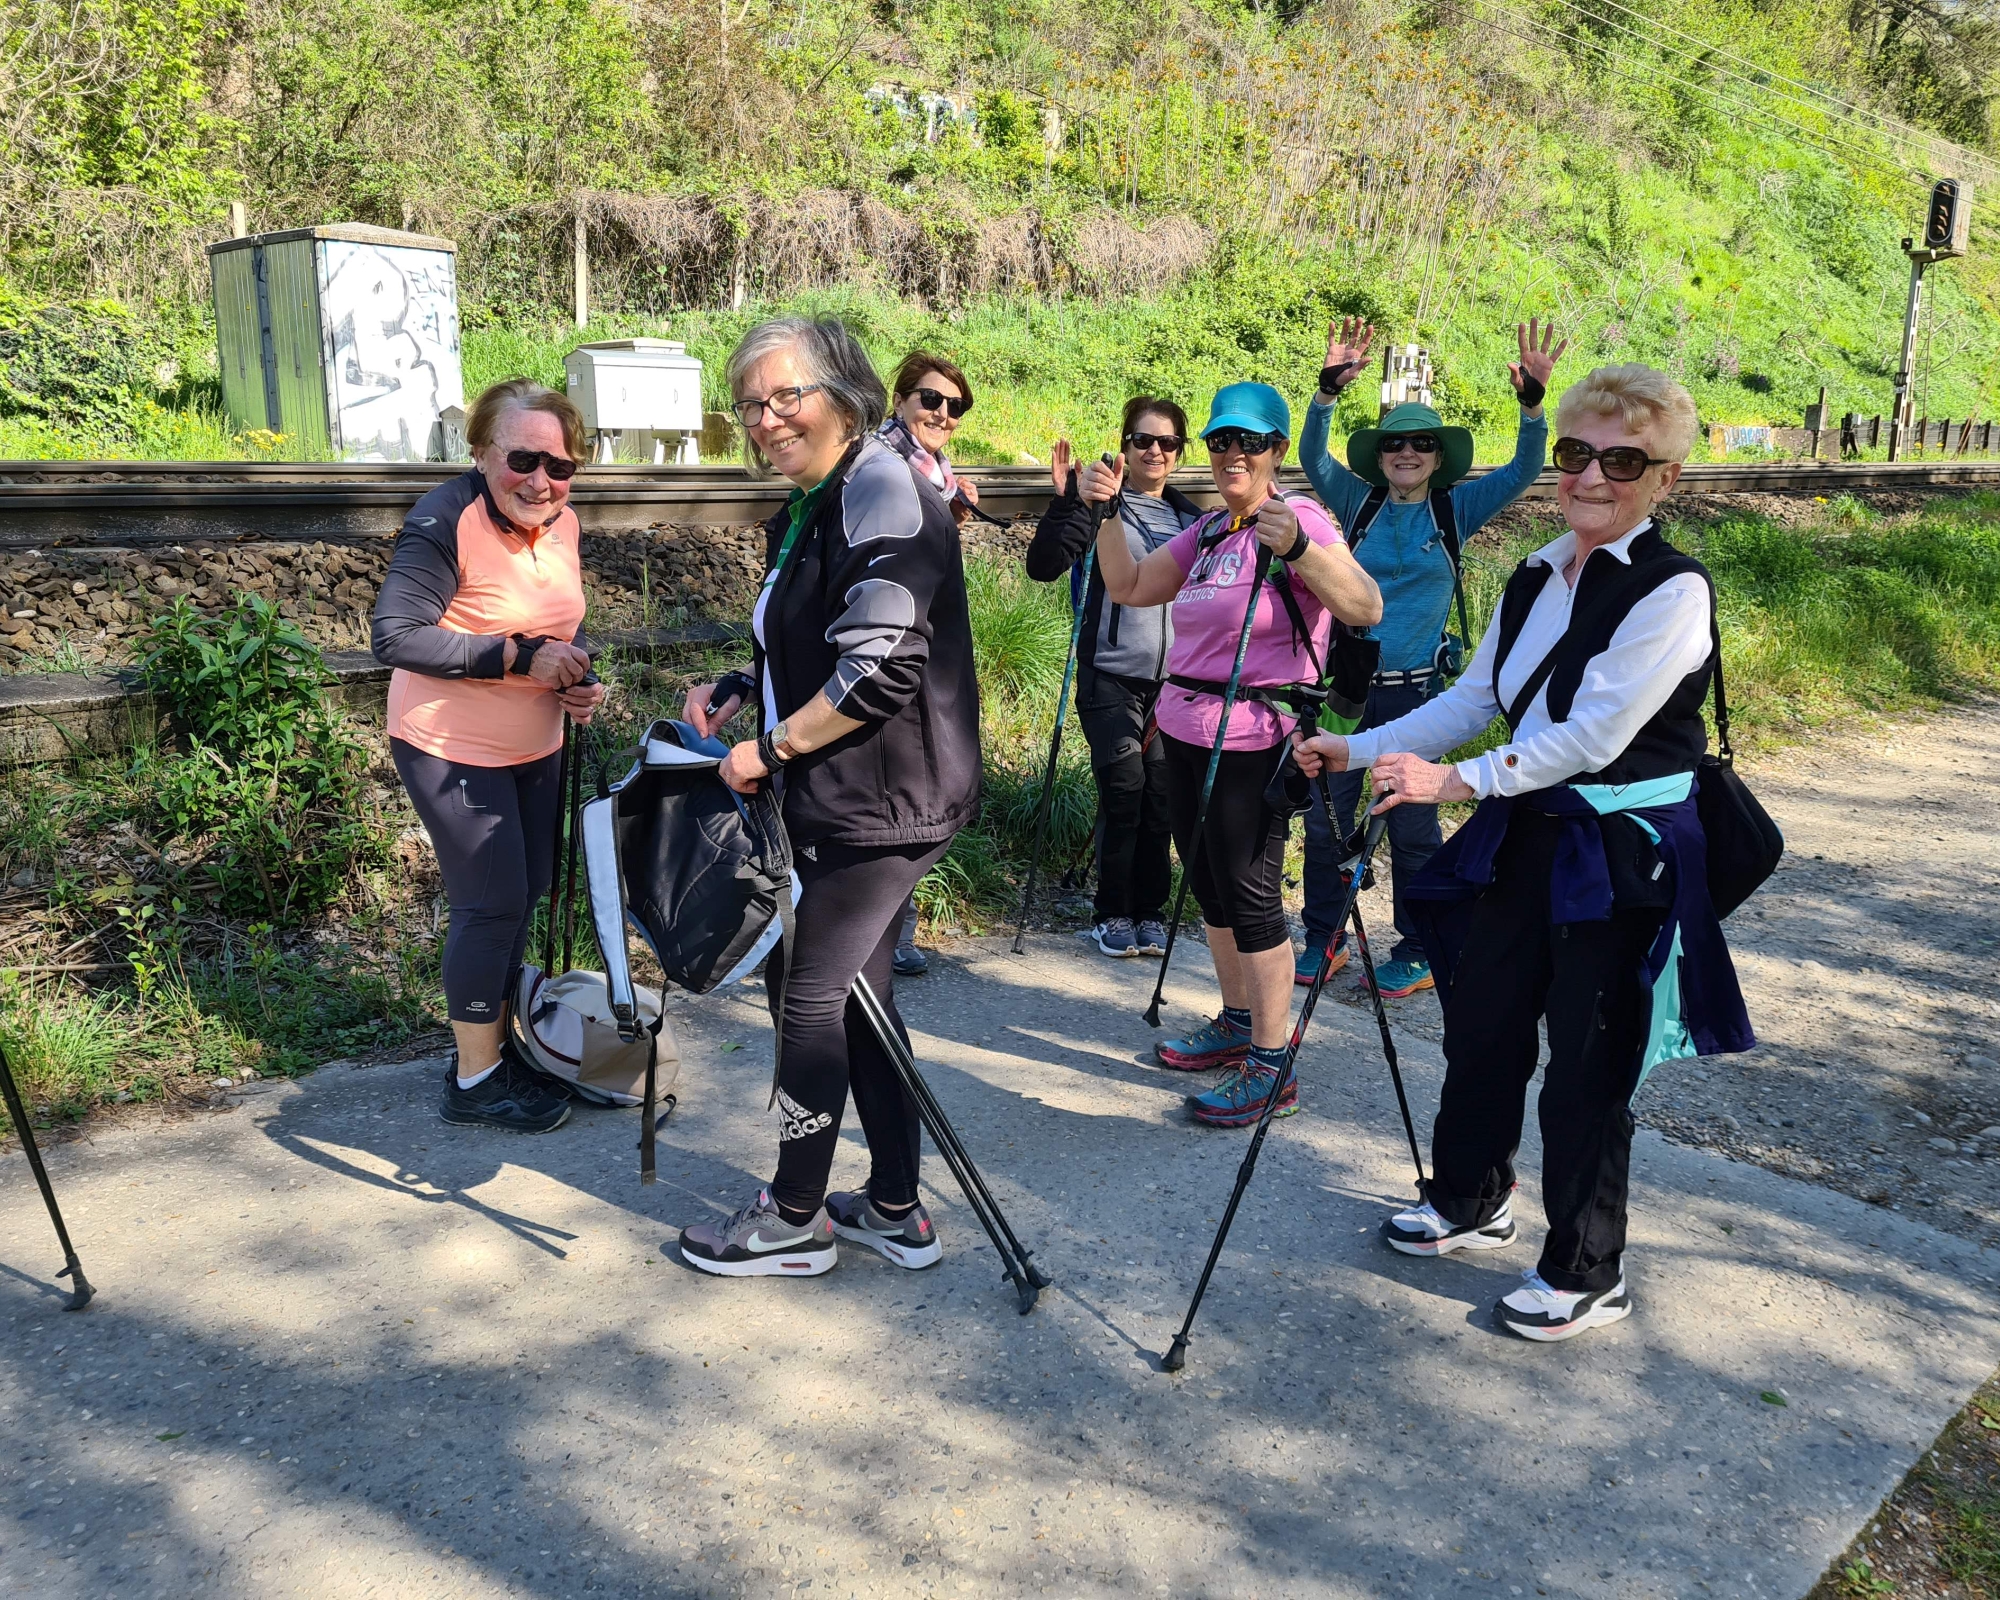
(1097, 515)
(1176, 1356)
(556, 850)
(1388, 1044)
(1208, 780)
(1028, 1279)
(80, 1290)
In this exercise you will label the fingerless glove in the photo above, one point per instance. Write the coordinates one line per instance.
(1532, 391)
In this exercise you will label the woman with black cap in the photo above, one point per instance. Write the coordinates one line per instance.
(1406, 506)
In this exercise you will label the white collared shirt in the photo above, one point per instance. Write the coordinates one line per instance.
(1662, 640)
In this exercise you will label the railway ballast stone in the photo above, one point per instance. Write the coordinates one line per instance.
(87, 607)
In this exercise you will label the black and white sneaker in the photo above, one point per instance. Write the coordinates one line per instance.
(1420, 1231)
(758, 1243)
(1535, 1311)
(909, 1240)
(509, 1097)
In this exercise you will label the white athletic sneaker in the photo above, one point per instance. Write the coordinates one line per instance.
(1535, 1311)
(1420, 1231)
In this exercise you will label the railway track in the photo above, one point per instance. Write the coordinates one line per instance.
(44, 504)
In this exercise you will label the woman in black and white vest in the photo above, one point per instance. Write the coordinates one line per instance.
(1577, 892)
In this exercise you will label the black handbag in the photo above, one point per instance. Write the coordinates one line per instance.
(1744, 844)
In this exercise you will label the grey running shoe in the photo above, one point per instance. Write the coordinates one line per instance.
(509, 1097)
(909, 1240)
(909, 961)
(758, 1243)
(1152, 936)
(1115, 937)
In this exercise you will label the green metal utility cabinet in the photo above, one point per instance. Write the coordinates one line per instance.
(344, 338)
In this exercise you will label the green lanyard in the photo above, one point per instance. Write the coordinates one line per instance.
(803, 501)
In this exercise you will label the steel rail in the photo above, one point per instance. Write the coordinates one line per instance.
(46, 504)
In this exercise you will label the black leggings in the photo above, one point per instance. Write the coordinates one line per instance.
(494, 832)
(848, 917)
(1238, 874)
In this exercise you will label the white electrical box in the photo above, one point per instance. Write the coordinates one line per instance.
(638, 396)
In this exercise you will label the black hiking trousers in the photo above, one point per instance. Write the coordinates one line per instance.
(1584, 977)
(848, 919)
(1134, 863)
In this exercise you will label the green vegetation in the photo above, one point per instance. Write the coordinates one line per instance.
(161, 870)
(1080, 204)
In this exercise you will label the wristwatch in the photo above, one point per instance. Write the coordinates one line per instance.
(778, 736)
(767, 748)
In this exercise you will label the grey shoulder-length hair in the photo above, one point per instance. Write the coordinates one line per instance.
(830, 356)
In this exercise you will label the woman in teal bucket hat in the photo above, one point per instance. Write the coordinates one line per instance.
(1404, 477)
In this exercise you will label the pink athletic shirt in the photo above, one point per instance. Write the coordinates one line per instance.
(1208, 620)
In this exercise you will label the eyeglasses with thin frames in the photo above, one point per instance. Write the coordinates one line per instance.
(779, 402)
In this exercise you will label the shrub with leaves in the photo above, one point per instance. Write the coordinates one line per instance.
(88, 362)
(263, 787)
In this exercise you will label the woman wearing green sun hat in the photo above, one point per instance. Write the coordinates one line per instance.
(1405, 506)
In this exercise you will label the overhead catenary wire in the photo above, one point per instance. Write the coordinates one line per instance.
(1762, 78)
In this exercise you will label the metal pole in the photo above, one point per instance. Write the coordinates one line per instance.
(1899, 419)
(80, 1290)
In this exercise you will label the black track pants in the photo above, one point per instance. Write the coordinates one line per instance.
(848, 918)
(1238, 875)
(1134, 871)
(1584, 977)
(494, 832)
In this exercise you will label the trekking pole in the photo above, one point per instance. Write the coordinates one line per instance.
(556, 850)
(566, 863)
(80, 1290)
(1388, 1044)
(1176, 1356)
(1208, 779)
(1028, 1279)
(1097, 516)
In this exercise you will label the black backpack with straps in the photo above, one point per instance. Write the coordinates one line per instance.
(1449, 661)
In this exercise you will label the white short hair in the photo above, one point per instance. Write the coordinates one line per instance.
(1645, 399)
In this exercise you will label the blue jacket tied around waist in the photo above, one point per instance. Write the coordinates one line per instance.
(1697, 1006)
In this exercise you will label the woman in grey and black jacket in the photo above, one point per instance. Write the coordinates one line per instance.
(1121, 662)
(870, 728)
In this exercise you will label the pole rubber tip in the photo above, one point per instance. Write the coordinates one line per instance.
(1028, 1293)
(1017, 943)
(1153, 1015)
(1176, 1356)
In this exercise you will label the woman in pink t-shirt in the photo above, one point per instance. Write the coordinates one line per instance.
(1236, 867)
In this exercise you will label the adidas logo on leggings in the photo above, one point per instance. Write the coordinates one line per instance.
(799, 1123)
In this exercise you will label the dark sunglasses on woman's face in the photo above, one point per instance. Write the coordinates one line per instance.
(1224, 441)
(1422, 443)
(559, 468)
(931, 400)
(1167, 443)
(1622, 463)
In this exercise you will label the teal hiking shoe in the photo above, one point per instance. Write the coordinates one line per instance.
(1215, 1044)
(1238, 1100)
(1397, 979)
(1305, 967)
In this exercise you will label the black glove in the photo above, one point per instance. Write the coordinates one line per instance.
(738, 685)
(1532, 391)
(1333, 379)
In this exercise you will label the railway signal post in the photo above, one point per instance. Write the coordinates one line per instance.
(1947, 228)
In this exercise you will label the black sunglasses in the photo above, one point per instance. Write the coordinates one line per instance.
(1622, 463)
(1422, 443)
(1169, 443)
(1222, 441)
(931, 400)
(559, 468)
(779, 402)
